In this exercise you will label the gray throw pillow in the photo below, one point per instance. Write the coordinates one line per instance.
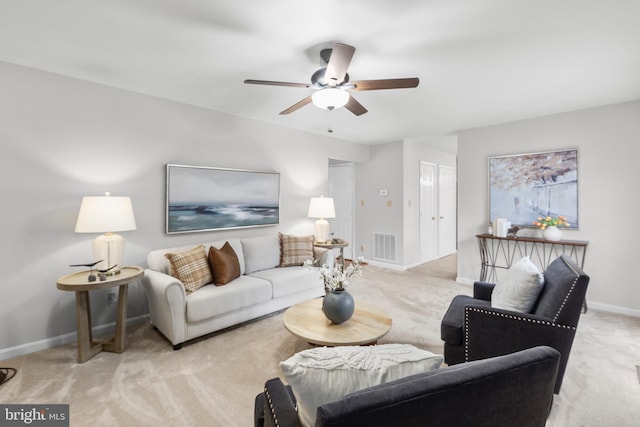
(518, 289)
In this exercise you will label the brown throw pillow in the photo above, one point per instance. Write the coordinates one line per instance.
(224, 264)
(191, 268)
(295, 250)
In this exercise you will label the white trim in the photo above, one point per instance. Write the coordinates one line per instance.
(60, 340)
(613, 309)
(396, 267)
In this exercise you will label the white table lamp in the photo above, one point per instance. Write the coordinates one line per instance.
(106, 214)
(322, 207)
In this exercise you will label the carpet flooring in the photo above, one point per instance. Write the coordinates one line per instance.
(212, 381)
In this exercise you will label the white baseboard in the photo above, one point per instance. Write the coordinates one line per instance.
(613, 309)
(390, 266)
(60, 340)
(398, 267)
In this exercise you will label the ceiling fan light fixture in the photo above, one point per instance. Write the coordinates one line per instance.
(330, 98)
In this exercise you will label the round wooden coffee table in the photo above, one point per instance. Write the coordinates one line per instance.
(307, 321)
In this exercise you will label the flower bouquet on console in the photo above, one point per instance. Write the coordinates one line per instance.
(549, 226)
(550, 221)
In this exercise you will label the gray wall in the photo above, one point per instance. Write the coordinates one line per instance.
(608, 172)
(375, 213)
(395, 167)
(63, 138)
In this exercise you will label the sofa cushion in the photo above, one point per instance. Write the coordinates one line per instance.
(224, 264)
(212, 301)
(261, 253)
(295, 250)
(290, 280)
(191, 268)
(518, 289)
(325, 374)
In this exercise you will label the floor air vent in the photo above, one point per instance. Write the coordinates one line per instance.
(384, 247)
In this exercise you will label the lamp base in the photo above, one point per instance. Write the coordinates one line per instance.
(109, 247)
(322, 230)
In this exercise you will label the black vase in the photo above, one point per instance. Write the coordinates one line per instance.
(338, 306)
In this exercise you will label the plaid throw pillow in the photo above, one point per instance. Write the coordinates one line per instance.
(191, 268)
(295, 250)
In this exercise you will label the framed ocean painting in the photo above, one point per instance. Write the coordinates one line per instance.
(523, 187)
(207, 198)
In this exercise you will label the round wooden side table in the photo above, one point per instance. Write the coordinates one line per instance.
(330, 245)
(306, 320)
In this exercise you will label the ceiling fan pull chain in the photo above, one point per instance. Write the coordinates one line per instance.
(329, 121)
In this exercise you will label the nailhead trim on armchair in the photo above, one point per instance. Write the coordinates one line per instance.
(273, 412)
(507, 316)
(564, 301)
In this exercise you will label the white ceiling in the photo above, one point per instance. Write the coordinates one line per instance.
(479, 62)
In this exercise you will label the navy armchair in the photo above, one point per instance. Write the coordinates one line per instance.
(471, 329)
(504, 391)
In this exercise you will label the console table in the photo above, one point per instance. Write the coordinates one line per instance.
(500, 252)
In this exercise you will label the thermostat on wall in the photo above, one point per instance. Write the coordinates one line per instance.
(383, 192)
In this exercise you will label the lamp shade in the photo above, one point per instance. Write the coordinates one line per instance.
(321, 207)
(99, 214)
(330, 98)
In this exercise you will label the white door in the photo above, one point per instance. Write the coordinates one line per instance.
(428, 212)
(447, 191)
(342, 189)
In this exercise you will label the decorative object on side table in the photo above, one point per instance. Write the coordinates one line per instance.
(92, 277)
(338, 304)
(549, 226)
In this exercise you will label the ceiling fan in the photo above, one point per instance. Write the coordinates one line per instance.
(332, 83)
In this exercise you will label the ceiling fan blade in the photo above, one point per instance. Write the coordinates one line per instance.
(338, 63)
(385, 84)
(297, 105)
(355, 107)
(270, 83)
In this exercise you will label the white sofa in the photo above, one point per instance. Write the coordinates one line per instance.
(262, 288)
